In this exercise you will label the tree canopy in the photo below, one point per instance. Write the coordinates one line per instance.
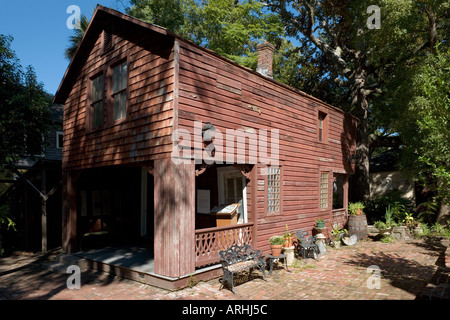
(364, 60)
(23, 108)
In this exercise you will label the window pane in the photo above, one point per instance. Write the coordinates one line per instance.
(324, 190)
(97, 89)
(116, 79)
(120, 77)
(338, 191)
(97, 114)
(273, 190)
(123, 82)
(230, 191)
(322, 125)
(120, 101)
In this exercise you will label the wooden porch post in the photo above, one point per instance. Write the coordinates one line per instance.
(44, 211)
(254, 203)
(174, 194)
(69, 219)
(346, 195)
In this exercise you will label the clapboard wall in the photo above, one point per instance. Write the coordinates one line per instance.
(146, 133)
(229, 96)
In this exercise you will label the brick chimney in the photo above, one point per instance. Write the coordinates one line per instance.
(265, 58)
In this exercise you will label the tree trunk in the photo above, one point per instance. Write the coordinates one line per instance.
(361, 187)
(361, 191)
(444, 213)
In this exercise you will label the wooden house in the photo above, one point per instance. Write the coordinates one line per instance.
(139, 105)
(32, 194)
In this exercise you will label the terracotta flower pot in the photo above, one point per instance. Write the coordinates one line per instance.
(276, 250)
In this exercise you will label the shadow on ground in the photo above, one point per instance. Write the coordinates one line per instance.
(404, 273)
(24, 277)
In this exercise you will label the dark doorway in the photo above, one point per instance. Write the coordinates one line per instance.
(109, 207)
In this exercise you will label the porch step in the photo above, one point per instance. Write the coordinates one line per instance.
(55, 267)
(62, 262)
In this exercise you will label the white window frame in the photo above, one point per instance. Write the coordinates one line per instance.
(58, 133)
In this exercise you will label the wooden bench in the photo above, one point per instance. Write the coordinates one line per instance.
(239, 258)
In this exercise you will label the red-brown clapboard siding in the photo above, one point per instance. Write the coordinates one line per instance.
(222, 93)
(149, 110)
(217, 94)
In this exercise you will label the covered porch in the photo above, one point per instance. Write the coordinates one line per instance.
(171, 236)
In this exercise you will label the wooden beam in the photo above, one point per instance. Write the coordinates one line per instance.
(174, 195)
(144, 201)
(69, 221)
(44, 212)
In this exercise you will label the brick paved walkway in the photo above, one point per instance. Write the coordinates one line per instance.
(406, 268)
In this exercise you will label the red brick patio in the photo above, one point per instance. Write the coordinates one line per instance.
(408, 270)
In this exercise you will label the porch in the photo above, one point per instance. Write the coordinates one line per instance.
(151, 221)
(137, 262)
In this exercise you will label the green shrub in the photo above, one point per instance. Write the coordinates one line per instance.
(375, 209)
(380, 225)
(436, 230)
(427, 211)
(387, 239)
(5, 219)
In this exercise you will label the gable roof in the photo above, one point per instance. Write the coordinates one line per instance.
(103, 15)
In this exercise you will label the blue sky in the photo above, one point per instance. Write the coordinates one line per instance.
(40, 33)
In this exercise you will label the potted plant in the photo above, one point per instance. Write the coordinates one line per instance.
(288, 238)
(336, 234)
(276, 244)
(357, 221)
(383, 227)
(356, 208)
(320, 223)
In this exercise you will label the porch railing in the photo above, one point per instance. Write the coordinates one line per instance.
(208, 242)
